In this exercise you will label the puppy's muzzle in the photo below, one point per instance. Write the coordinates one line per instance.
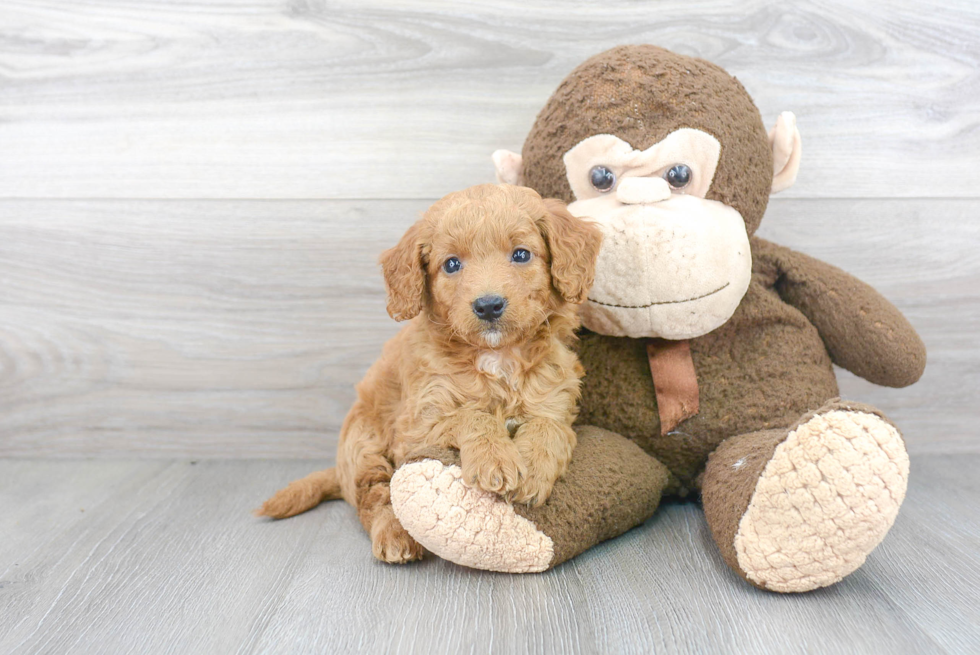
(489, 308)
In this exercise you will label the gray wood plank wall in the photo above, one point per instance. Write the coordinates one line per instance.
(193, 196)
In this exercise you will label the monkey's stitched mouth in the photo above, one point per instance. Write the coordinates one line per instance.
(663, 302)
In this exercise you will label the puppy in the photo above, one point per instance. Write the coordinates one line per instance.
(490, 278)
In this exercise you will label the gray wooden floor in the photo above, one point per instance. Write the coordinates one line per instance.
(162, 556)
(192, 200)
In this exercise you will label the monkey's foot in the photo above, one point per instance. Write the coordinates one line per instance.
(465, 524)
(805, 507)
(610, 486)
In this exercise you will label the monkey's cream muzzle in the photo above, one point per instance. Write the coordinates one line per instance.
(674, 269)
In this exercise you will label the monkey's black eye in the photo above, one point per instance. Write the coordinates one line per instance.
(521, 256)
(602, 178)
(452, 265)
(679, 176)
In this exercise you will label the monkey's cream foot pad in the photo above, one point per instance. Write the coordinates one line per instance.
(827, 497)
(464, 524)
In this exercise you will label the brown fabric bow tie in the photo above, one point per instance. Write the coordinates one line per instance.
(674, 380)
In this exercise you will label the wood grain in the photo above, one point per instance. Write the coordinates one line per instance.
(385, 99)
(166, 558)
(238, 329)
(189, 324)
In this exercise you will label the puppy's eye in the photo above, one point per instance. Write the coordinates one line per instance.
(679, 176)
(521, 256)
(452, 265)
(602, 178)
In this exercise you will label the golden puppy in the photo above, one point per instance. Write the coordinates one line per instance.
(490, 277)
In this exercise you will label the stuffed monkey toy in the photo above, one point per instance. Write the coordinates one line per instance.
(708, 351)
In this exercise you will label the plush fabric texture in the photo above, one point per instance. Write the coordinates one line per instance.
(676, 268)
(880, 346)
(787, 151)
(465, 524)
(763, 369)
(766, 367)
(641, 94)
(730, 479)
(794, 510)
(611, 487)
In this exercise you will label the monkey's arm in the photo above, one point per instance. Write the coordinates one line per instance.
(863, 332)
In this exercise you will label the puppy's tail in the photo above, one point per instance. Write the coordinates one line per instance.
(301, 495)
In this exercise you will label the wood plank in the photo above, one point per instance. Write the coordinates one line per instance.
(943, 533)
(216, 329)
(41, 499)
(190, 324)
(41, 502)
(169, 560)
(381, 99)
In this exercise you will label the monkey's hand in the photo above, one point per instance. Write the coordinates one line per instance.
(863, 332)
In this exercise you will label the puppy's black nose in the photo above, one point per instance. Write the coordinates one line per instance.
(489, 308)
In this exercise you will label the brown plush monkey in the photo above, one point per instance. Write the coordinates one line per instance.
(708, 352)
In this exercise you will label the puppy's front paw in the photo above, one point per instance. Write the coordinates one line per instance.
(494, 466)
(546, 446)
(535, 487)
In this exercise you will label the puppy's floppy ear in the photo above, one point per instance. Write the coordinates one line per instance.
(404, 271)
(574, 245)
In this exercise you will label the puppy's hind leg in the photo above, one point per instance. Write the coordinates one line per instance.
(371, 474)
(390, 542)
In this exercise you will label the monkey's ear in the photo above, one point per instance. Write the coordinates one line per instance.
(508, 166)
(786, 151)
(404, 271)
(574, 246)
